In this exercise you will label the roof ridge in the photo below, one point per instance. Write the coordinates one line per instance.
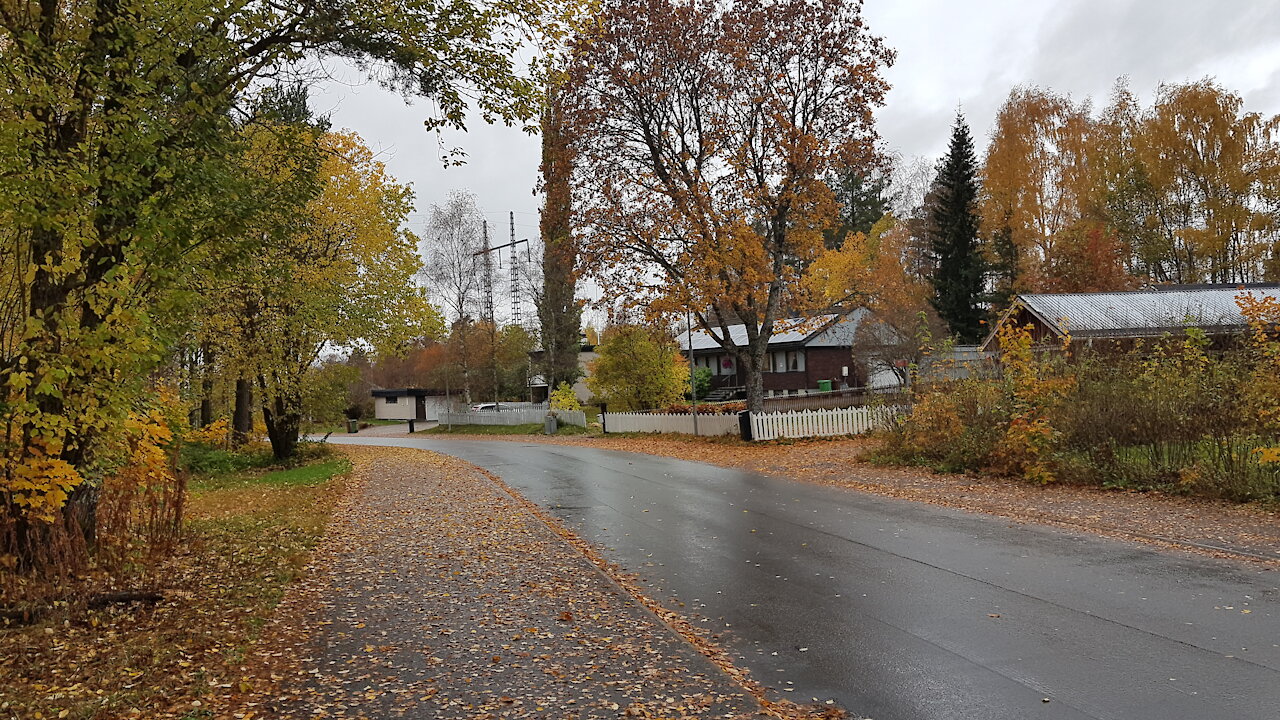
(1161, 290)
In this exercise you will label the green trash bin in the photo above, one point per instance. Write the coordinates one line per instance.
(353, 425)
(824, 386)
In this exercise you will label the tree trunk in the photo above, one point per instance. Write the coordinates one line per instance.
(242, 418)
(558, 313)
(81, 512)
(282, 427)
(206, 386)
(752, 363)
(466, 368)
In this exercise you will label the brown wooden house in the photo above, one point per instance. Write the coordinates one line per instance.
(802, 353)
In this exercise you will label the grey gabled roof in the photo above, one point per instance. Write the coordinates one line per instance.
(1144, 313)
(823, 330)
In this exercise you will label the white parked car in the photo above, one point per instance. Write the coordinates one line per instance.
(488, 407)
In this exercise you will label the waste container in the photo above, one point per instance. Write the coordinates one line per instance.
(550, 425)
(353, 425)
(824, 386)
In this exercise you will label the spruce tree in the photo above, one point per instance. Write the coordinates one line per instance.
(863, 198)
(958, 278)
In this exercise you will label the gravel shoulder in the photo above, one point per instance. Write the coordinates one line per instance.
(439, 594)
(1248, 533)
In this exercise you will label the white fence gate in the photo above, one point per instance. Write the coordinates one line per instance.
(821, 423)
(670, 423)
(513, 417)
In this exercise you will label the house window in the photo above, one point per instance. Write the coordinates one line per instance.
(726, 365)
(786, 361)
(392, 399)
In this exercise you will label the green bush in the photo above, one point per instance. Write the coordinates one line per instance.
(954, 426)
(564, 398)
(210, 460)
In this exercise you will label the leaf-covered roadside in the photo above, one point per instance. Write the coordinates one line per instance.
(439, 594)
(250, 533)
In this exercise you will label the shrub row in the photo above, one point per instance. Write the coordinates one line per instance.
(1171, 415)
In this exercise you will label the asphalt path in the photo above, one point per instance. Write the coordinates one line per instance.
(899, 610)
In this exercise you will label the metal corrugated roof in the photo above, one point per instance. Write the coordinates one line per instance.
(1143, 313)
(792, 330)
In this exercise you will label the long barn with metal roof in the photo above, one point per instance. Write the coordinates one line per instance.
(1132, 314)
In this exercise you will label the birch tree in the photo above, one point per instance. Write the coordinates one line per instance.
(453, 274)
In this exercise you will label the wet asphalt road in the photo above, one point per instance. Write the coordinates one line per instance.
(905, 611)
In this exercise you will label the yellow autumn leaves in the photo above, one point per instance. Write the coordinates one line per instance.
(1263, 314)
(41, 484)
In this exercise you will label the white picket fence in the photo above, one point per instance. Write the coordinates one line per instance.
(512, 417)
(670, 423)
(821, 423)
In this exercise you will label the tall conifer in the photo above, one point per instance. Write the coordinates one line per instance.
(558, 310)
(958, 279)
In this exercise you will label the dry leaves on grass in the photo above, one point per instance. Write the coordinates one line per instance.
(183, 656)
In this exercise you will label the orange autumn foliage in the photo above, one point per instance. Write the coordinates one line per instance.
(701, 133)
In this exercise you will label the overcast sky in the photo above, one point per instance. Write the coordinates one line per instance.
(950, 53)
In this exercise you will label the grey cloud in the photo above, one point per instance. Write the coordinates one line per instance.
(1076, 48)
(971, 53)
(1087, 44)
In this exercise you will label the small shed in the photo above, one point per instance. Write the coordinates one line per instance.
(408, 404)
(1130, 315)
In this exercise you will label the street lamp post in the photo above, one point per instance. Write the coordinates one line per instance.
(693, 385)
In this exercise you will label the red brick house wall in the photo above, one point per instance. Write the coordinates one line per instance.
(786, 381)
(826, 363)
